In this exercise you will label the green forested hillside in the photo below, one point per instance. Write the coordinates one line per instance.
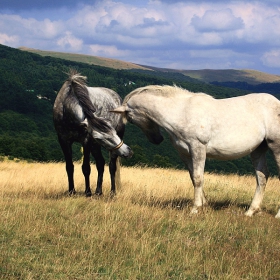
(28, 86)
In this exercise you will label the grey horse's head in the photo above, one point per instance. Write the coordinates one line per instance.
(105, 135)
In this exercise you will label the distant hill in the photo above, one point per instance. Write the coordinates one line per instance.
(251, 77)
(89, 59)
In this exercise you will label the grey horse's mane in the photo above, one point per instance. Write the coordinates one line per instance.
(165, 90)
(78, 86)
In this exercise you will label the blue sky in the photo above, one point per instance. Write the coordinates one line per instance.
(210, 34)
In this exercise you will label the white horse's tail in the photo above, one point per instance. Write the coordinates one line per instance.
(118, 174)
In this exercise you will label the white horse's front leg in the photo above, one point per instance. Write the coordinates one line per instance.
(196, 168)
(199, 197)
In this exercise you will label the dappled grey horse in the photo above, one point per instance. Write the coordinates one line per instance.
(82, 114)
(202, 127)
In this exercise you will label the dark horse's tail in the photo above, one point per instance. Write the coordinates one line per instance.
(78, 86)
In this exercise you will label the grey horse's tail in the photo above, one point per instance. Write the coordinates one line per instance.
(118, 174)
(78, 86)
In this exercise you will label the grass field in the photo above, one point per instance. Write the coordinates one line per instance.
(145, 232)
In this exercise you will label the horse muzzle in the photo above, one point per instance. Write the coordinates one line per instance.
(156, 139)
(127, 152)
(123, 150)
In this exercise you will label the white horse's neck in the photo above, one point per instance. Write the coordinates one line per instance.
(165, 111)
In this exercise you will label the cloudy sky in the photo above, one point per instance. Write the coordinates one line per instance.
(194, 34)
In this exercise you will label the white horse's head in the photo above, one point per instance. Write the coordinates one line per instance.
(142, 120)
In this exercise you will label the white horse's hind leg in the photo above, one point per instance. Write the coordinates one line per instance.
(275, 148)
(259, 162)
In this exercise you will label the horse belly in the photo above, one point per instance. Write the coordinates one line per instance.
(234, 146)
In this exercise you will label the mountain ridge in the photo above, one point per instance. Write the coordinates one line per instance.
(249, 76)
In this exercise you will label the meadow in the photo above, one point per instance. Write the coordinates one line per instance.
(144, 232)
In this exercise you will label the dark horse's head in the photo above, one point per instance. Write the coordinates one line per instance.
(74, 112)
(105, 135)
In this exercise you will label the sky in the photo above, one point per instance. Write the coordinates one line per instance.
(194, 34)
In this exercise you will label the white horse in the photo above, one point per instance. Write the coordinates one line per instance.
(202, 127)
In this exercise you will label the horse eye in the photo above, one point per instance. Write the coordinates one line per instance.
(129, 118)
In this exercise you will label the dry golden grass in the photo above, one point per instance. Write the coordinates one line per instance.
(145, 232)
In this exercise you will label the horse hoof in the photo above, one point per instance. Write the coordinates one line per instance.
(194, 211)
(71, 193)
(249, 213)
(98, 193)
(112, 194)
(252, 211)
(88, 194)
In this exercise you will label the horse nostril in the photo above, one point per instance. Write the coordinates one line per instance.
(129, 154)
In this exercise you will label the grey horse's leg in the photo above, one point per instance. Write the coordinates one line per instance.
(113, 169)
(275, 148)
(67, 151)
(259, 162)
(86, 168)
(100, 163)
(196, 164)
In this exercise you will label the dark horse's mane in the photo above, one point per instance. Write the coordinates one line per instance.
(78, 86)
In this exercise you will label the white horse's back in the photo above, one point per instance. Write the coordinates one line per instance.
(233, 127)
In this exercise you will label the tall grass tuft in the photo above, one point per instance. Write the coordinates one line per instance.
(144, 232)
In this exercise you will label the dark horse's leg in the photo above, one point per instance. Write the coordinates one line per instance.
(100, 163)
(113, 169)
(114, 164)
(67, 151)
(86, 167)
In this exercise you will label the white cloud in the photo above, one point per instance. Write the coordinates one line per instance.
(213, 20)
(162, 33)
(271, 58)
(69, 42)
(107, 51)
(8, 40)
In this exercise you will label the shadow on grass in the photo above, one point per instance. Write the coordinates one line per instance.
(29, 194)
(65, 195)
(225, 204)
(152, 201)
(179, 203)
(185, 203)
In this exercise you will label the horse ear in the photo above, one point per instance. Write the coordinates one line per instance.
(120, 110)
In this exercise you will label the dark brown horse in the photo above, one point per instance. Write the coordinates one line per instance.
(82, 114)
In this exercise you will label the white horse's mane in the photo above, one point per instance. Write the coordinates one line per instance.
(164, 90)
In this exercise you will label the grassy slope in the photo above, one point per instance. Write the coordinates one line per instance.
(206, 75)
(95, 60)
(145, 232)
(249, 76)
(225, 75)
